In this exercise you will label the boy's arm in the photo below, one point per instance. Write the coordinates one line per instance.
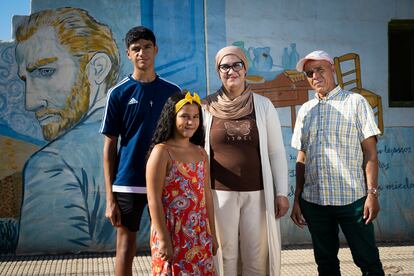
(110, 154)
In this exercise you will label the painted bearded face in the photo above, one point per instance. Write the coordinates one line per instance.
(57, 87)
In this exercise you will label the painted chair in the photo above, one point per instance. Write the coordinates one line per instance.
(348, 74)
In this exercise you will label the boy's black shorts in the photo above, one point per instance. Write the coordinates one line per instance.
(131, 206)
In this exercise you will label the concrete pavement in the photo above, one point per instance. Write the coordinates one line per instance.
(397, 260)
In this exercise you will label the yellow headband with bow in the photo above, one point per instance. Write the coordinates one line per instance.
(187, 99)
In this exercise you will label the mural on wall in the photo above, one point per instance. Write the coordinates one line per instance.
(53, 83)
(67, 61)
(261, 63)
(348, 75)
(16, 145)
(181, 55)
(282, 84)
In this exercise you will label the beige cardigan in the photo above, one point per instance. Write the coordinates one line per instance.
(274, 173)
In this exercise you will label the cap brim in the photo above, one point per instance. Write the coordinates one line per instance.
(300, 64)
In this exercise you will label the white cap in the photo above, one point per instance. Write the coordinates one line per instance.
(315, 55)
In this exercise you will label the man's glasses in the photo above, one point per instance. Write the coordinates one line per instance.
(237, 66)
(318, 70)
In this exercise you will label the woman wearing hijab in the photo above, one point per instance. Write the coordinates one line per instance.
(248, 170)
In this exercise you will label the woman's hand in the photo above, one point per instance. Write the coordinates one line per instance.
(281, 206)
(215, 245)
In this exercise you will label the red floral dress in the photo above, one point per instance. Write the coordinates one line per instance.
(187, 221)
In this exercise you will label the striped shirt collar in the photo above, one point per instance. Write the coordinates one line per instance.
(331, 94)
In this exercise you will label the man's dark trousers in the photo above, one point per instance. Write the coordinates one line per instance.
(323, 224)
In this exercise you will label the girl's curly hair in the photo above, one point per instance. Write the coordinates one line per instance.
(166, 123)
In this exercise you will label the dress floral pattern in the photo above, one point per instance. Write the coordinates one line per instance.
(187, 221)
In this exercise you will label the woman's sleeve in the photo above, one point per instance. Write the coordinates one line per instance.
(276, 148)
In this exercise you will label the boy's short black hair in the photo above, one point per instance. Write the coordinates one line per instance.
(137, 33)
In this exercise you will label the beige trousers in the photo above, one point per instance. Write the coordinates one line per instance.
(241, 220)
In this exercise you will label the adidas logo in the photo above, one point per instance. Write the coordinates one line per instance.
(132, 101)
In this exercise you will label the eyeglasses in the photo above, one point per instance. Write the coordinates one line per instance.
(318, 70)
(237, 66)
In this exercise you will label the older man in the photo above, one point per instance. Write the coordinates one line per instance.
(68, 61)
(336, 170)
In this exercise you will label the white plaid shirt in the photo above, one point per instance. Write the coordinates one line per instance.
(330, 132)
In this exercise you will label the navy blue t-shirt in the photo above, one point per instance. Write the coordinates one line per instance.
(131, 113)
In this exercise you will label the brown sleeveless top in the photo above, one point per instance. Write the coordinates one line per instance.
(235, 155)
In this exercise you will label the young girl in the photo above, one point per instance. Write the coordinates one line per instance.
(183, 239)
